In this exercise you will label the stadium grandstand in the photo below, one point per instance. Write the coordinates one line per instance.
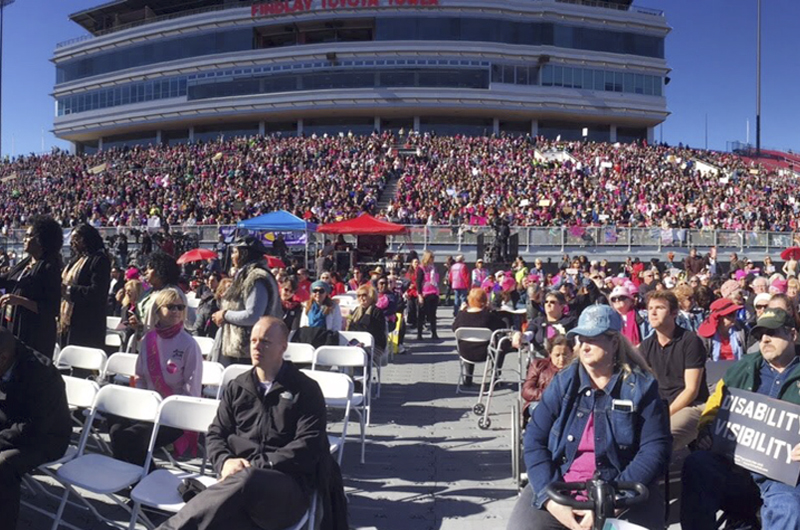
(177, 71)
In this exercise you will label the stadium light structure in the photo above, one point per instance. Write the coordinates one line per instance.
(3, 4)
(758, 80)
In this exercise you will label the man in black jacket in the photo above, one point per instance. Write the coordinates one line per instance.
(267, 443)
(34, 419)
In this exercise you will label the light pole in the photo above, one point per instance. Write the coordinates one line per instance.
(758, 82)
(3, 4)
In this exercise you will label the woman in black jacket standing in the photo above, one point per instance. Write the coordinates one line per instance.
(84, 286)
(29, 307)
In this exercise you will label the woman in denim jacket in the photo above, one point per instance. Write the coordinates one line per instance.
(601, 415)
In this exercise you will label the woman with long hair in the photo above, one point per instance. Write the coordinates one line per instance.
(84, 286)
(600, 415)
(367, 317)
(169, 363)
(427, 282)
(29, 307)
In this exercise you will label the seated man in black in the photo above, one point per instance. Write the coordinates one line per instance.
(268, 444)
(34, 419)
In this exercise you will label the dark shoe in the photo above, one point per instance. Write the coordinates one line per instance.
(434, 337)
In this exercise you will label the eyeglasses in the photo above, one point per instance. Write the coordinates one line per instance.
(361, 296)
(319, 291)
(618, 299)
(175, 307)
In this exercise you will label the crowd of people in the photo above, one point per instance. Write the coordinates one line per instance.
(446, 181)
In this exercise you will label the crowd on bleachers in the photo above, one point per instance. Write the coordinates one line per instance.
(442, 180)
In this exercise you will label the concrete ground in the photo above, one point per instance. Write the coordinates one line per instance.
(428, 464)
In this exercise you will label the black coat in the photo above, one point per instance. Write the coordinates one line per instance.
(88, 294)
(33, 407)
(283, 430)
(42, 284)
(373, 321)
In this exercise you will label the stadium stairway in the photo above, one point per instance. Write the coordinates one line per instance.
(387, 194)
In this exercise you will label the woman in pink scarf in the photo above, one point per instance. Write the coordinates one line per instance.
(170, 363)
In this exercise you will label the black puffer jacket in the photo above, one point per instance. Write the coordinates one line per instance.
(33, 407)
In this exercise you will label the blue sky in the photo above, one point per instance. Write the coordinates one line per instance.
(711, 51)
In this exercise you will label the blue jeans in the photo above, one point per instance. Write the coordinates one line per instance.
(459, 298)
(712, 483)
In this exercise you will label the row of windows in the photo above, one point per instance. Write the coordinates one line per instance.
(584, 78)
(335, 79)
(284, 79)
(385, 29)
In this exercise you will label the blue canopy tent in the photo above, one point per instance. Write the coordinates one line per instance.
(279, 221)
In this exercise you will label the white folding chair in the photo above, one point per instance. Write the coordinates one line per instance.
(206, 345)
(212, 378)
(159, 489)
(355, 358)
(232, 372)
(83, 357)
(120, 367)
(368, 341)
(473, 336)
(299, 353)
(81, 394)
(101, 474)
(114, 337)
(338, 392)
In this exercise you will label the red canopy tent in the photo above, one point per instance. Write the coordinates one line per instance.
(363, 225)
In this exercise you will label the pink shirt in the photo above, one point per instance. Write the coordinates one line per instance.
(181, 365)
(584, 465)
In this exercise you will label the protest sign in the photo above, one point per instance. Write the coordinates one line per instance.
(759, 433)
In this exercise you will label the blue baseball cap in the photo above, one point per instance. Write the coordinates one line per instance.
(596, 320)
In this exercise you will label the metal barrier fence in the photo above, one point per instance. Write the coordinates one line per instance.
(608, 238)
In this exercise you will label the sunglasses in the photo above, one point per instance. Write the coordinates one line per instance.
(381, 283)
(318, 291)
(361, 296)
(618, 299)
(175, 307)
(761, 306)
(551, 301)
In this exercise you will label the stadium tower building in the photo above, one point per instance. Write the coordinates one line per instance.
(166, 71)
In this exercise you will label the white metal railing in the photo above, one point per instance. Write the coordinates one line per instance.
(608, 238)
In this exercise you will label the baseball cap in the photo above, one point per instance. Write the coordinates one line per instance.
(772, 318)
(596, 320)
(620, 290)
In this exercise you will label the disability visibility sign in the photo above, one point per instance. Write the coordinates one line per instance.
(759, 433)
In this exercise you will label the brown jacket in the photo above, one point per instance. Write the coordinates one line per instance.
(540, 373)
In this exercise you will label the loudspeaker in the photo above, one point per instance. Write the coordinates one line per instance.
(481, 245)
(513, 246)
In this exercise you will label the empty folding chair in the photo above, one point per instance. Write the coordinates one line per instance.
(159, 489)
(355, 358)
(212, 378)
(366, 338)
(206, 345)
(115, 337)
(338, 392)
(83, 358)
(120, 368)
(299, 353)
(101, 474)
(232, 372)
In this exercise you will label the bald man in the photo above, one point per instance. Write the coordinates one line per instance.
(267, 443)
